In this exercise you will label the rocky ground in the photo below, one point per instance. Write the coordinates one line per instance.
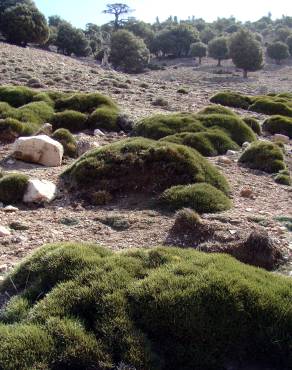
(132, 222)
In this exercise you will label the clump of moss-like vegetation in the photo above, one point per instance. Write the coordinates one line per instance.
(264, 156)
(201, 197)
(254, 124)
(35, 112)
(105, 118)
(16, 96)
(69, 119)
(68, 141)
(283, 179)
(209, 143)
(231, 99)
(278, 125)
(11, 129)
(5, 108)
(45, 97)
(217, 109)
(80, 306)
(141, 165)
(85, 103)
(13, 187)
(269, 106)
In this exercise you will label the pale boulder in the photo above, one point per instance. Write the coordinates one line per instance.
(282, 138)
(39, 149)
(39, 191)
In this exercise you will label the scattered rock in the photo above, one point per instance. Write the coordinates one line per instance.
(18, 226)
(98, 132)
(4, 231)
(245, 145)
(46, 129)
(224, 160)
(282, 138)
(39, 149)
(231, 152)
(39, 191)
(84, 146)
(10, 209)
(246, 192)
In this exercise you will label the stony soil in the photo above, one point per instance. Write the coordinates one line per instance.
(136, 223)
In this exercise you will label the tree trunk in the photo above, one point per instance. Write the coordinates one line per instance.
(116, 26)
(200, 60)
(244, 74)
(219, 63)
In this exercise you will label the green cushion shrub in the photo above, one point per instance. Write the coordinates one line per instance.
(269, 106)
(44, 96)
(68, 141)
(13, 187)
(140, 164)
(254, 124)
(11, 128)
(278, 125)
(231, 99)
(210, 143)
(85, 103)
(69, 119)
(161, 125)
(105, 118)
(234, 126)
(5, 108)
(201, 197)
(35, 112)
(283, 179)
(16, 96)
(163, 308)
(217, 109)
(264, 156)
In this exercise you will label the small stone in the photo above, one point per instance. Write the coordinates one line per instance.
(1, 205)
(18, 226)
(246, 192)
(245, 145)
(98, 132)
(249, 209)
(225, 160)
(231, 152)
(11, 209)
(84, 146)
(3, 268)
(232, 232)
(10, 161)
(39, 191)
(46, 129)
(282, 138)
(4, 231)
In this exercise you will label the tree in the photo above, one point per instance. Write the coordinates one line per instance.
(128, 52)
(198, 49)
(207, 35)
(5, 4)
(282, 33)
(141, 29)
(289, 43)
(55, 21)
(22, 24)
(117, 10)
(72, 40)
(218, 49)
(278, 51)
(246, 52)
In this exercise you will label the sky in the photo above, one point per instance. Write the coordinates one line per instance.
(90, 11)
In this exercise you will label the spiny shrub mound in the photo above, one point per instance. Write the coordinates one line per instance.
(217, 109)
(201, 197)
(10, 129)
(234, 126)
(85, 103)
(12, 187)
(231, 99)
(69, 119)
(5, 108)
(264, 156)
(211, 143)
(35, 112)
(80, 306)
(45, 97)
(161, 125)
(140, 164)
(16, 96)
(278, 125)
(105, 118)
(283, 179)
(270, 106)
(253, 123)
(68, 141)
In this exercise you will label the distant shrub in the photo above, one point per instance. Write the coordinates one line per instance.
(104, 118)
(254, 124)
(264, 156)
(278, 51)
(210, 143)
(283, 179)
(269, 106)
(218, 49)
(16, 96)
(70, 40)
(231, 99)
(69, 119)
(12, 187)
(246, 52)
(198, 50)
(278, 125)
(140, 164)
(128, 52)
(68, 141)
(182, 91)
(90, 307)
(84, 103)
(22, 24)
(160, 102)
(201, 197)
